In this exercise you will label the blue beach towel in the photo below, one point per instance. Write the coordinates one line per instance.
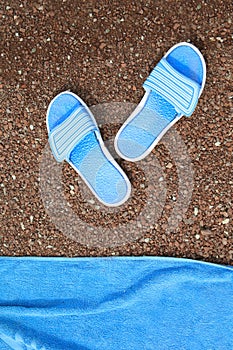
(115, 304)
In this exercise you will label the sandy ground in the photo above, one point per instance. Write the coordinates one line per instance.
(103, 51)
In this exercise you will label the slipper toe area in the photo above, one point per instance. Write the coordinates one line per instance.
(60, 109)
(186, 60)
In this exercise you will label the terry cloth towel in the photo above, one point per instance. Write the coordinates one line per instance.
(114, 304)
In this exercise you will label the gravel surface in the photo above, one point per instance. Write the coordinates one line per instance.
(103, 51)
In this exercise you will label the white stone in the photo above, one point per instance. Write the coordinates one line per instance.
(169, 165)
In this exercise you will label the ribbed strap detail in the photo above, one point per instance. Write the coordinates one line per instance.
(175, 87)
(66, 135)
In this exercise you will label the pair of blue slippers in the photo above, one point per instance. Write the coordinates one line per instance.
(171, 90)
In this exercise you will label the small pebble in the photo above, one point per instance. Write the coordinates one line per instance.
(224, 241)
(169, 165)
(102, 46)
(219, 39)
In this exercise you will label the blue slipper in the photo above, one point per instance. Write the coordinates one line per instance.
(171, 91)
(75, 137)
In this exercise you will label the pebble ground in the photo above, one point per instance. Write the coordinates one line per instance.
(103, 51)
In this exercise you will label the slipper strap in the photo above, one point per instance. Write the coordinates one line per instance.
(181, 91)
(67, 134)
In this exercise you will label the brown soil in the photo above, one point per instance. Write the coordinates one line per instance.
(103, 51)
